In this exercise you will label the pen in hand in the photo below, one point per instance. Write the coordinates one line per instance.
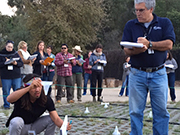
(69, 124)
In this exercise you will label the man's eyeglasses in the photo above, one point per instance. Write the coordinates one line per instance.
(63, 48)
(139, 10)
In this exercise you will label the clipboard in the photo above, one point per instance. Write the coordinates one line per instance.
(11, 60)
(47, 60)
(131, 44)
(31, 57)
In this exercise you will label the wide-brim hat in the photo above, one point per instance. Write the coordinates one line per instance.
(78, 48)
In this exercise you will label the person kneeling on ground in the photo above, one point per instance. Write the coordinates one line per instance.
(30, 102)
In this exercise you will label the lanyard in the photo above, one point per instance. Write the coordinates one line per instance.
(65, 56)
(146, 33)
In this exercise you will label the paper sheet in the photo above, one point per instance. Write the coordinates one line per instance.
(169, 66)
(71, 58)
(81, 60)
(63, 129)
(103, 61)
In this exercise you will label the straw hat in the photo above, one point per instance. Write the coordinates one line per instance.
(78, 48)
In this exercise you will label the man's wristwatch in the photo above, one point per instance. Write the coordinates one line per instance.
(150, 44)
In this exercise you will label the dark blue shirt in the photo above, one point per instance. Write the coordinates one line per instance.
(159, 29)
(77, 68)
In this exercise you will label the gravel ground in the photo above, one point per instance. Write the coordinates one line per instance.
(102, 121)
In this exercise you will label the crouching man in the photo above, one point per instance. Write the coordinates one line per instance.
(30, 102)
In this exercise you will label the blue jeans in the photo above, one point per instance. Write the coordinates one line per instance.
(48, 77)
(171, 82)
(124, 85)
(156, 83)
(6, 87)
(86, 78)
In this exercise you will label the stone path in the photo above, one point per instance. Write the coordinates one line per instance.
(102, 121)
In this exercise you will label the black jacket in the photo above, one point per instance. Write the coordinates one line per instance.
(38, 67)
(15, 72)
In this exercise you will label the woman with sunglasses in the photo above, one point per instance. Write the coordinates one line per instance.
(10, 63)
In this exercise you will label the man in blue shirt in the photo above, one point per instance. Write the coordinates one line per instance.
(147, 66)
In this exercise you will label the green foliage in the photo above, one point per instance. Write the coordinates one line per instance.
(174, 16)
(118, 12)
(63, 21)
(4, 28)
(4, 132)
(171, 10)
(13, 28)
(82, 22)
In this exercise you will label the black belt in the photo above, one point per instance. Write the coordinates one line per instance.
(153, 69)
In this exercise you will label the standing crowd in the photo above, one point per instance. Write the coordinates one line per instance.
(24, 73)
(15, 65)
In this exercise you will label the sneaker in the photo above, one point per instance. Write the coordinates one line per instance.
(63, 94)
(70, 101)
(94, 99)
(100, 99)
(174, 101)
(58, 101)
(6, 108)
(119, 95)
(84, 94)
(79, 100)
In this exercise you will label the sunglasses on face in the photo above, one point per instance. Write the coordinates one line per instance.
(63, 48)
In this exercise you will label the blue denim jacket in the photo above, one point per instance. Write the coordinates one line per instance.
(97, 66)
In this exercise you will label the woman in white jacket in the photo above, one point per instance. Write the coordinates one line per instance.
(24, 54)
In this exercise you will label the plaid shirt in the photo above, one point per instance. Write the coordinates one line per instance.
(59, 62)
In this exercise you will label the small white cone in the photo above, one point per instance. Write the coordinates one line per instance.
(86, 111)
(116, 132)
(105, 104)
(150, 114)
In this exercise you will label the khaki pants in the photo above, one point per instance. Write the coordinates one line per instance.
(77, 78)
